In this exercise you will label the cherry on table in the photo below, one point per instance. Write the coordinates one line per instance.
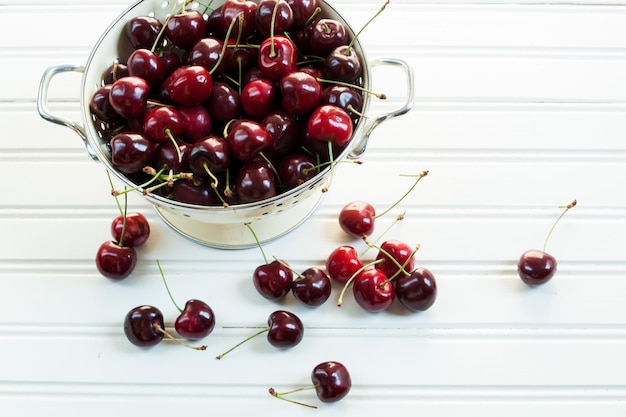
(114, 261)
(396, 256)
(357, 218)
(342, 263)
(417, 291)
(284, 330)
(312, 287)
(142, 324)
(136, 229)
(373, 291)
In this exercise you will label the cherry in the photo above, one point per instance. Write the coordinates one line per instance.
(163, 123)
(536, 267)
(255, 182)
(373, 291)
(196, 320)
(343, 64)
(189, 85)
(142, 324)
(114, 261)
(170, 61)
(312, 287)
(325, 35)
(247, 138)
(273, 280)
(331, 381)
(302, 11)
(196, 190)
(277, 57)
(130, 152)
(330, 123)
(114, 72)
(357, 218)
(284, 330)
(101, 107)
(136, 229)
(209, 53)
(347, 98)
(273, 17)
(416, 291)
(393, 253)
(342, 263)
(209, 156)
(283, 130)
(146, 64)
(197, 122)
(295, 169)
(184, 29)
(129, 96)
(243, 13)
(259, 98)
(301, 92)
(173, 155)
(224, 104)
(143, 31)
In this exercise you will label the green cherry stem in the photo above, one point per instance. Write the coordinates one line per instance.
(567, 208)
(258, 242)
(332, 167)
(380, 96)
(123, 211)
(398, 218)
(356, 273)
(167, 287)
(252, 336)
(366, 25)
(388, 255)
(281, 395)
(403, 269)
(419, 177)
(180, 342)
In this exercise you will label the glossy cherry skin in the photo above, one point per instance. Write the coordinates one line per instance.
(285, 329)
(172, 156)
(399, 251)
(357, 218)
(259, 98)
(255, 182)
(302, 10)
(131, 152)
(343, 64)
(224, 104)
(162, 123)
(283, 130)
(146, 64)
(142, 31)
(536, 267)
(342, 263)
(330, 123)
(190, 85)
(194, 191)
(136, 230)
(296, 169)
(372, 291)
(184, 29)
(326, 35)
(101, 107)
(209, 155)
(277, 61)
(196, 321)
(142, 324)
(273, 280)
(247, 138)
(345, 97)
(114, 72)
(332, 381)
(301, 93)
(243, 11)
(418, 291)
(114, 261)
(283, 21)
(312, 288)
(129, 96)
(197, 122)
(207, 53)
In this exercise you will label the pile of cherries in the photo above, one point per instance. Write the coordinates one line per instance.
(230, 105)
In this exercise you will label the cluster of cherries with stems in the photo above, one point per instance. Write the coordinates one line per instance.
(536, 267)
(392, 274)
(116, 259)
(144, 325)
(232, 105)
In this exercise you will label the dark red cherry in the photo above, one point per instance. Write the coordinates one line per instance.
(209, 155)
(207, 53)
(300, 92)
(342, 263)
(372, 290)
(195, 321)
(194, 191)
(283, 130)
(417, 291)
(259, 98)
(536, 267)
(114, 261)
(357, 219)
(332, 381)
(273, 280)
(129, 96)
(398, 250)
(312, 287)
(255, 182)
(131, 152)
(345, 97)
(224, 104)
(283, 17)
(343, 64)
(190, 85)
(277, 57)
(142, 326)
(142, 31)
(146, 64)
(101, 107)
(170, 61)
(172, 156)
(184, 29)
(247, 138)
(285, 329)
(330, 123)
(325, 35)
(197, 122)
(243, 11)
(163, 124)
(296, 169)
(136, 229)
(114, 72)
(302, 11)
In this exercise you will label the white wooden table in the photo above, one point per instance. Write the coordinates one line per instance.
(520, 107)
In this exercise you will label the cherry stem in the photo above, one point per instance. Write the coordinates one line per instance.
(317, 11)
(281, 395)
(391, 278)
(286, 265)
(567, 208)
(419, 177)
(214, 183)
(225, 45)
(168, 132)
(366, 25)
(332, 166)
(398, 218)
(123, 211)
(381, 96)
(258, 242)
(388, 255)
(272, 23)
(160, 34)
(180, 342)
(252, 336)
(356, 273)
(323, 164)
(167, 287)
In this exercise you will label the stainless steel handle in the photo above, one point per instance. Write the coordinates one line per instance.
(359, 147)
(42, 103)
